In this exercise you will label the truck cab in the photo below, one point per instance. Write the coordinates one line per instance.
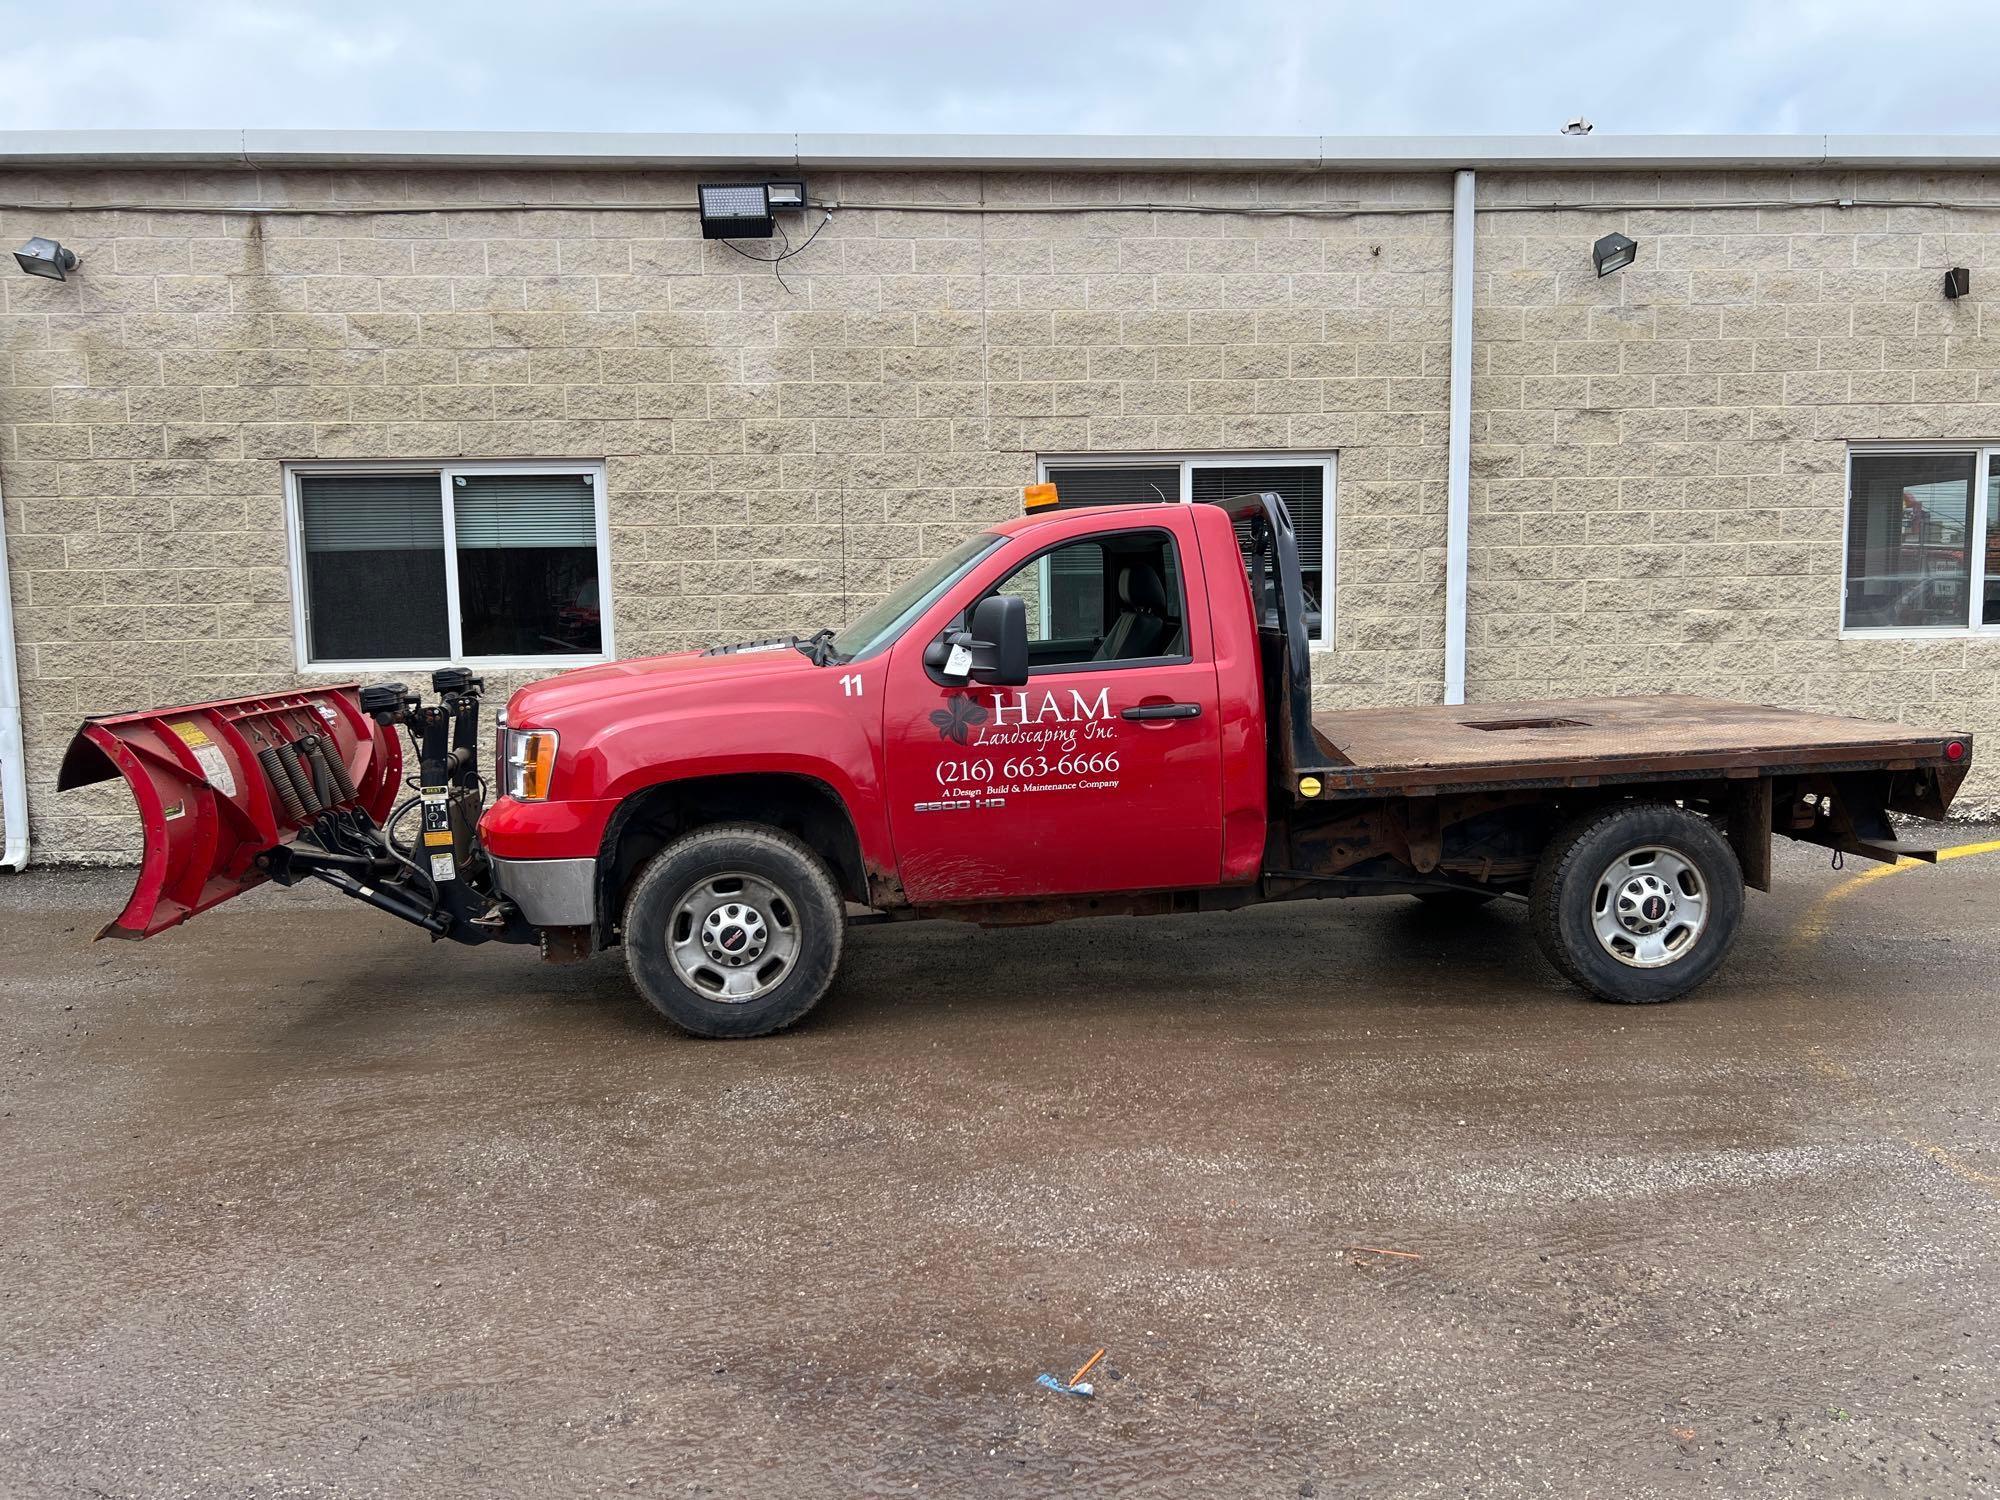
(1093, 749)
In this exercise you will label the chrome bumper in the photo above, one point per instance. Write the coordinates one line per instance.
(550, 892)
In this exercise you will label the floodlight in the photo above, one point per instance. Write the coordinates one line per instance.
(1614, 253)
(41, 257)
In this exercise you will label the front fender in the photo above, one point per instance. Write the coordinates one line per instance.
(824, 743)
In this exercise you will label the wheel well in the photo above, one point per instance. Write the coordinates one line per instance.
(647, 821)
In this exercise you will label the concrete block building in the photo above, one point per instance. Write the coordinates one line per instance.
(317, 406)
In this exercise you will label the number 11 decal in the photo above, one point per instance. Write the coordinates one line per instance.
(850, 685)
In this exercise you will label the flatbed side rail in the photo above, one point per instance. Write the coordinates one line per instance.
(1347, 783)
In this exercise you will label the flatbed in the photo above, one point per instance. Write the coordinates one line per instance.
(1440, 748)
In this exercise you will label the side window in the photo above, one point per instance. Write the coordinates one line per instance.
(1111, 598)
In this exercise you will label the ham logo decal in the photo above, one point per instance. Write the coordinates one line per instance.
(961, 715)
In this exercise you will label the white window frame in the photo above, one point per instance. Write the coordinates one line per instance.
(1189, 462)
(1985, 454)
(446, 471)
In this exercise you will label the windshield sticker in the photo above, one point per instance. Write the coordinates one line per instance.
(1023, 742)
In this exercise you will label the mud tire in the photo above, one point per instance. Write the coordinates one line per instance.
(787, 864)
(1560, 904)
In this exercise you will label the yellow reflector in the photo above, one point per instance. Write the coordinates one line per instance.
(1308, 786)
(1038, 497)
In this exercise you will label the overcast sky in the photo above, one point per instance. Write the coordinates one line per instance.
(1248, 66)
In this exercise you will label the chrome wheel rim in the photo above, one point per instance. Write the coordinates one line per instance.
(1649, 907)
(733, 937)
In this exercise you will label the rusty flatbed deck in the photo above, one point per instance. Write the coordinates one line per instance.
(1576, 741)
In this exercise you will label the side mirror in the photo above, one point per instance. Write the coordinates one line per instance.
(994, 650)
(1000, 641)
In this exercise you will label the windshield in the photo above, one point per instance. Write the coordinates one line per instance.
(878, 627)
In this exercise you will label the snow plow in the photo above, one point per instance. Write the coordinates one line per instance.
(302, 784)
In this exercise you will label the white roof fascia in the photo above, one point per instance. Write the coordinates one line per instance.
(503, 150)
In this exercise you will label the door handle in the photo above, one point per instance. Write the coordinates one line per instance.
(1163, 711)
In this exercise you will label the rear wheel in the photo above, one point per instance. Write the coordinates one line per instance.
(734, 931)
(1637, 903)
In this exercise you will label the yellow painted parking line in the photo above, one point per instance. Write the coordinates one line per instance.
(1964, 1171)
(1869, 1100)
(1812, 926)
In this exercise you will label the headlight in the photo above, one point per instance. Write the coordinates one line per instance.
(531, 763)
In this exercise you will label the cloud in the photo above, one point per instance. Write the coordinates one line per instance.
(1171, 67)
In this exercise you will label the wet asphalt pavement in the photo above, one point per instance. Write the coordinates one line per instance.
(296, 1204)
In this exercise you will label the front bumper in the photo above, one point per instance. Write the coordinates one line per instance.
(515, 830)
(550, 892)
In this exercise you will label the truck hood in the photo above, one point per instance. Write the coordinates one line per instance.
(643, 675)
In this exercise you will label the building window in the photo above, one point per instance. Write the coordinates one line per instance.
(1305, 483)
(1923, 540)
(411, 566)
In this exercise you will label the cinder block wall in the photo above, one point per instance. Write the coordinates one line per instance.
(779, 450)
(1659, 461)
(1657, 493)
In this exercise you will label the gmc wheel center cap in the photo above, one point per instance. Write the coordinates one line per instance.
(734, 934)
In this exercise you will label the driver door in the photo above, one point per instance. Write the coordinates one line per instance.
(1102, 772)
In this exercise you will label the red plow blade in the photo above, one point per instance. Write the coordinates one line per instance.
(219, 784)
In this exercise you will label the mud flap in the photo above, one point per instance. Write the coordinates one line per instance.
(220, 784)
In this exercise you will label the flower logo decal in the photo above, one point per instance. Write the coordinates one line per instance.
(957, 719)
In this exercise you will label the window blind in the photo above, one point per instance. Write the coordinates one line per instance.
(1302, 488)
(371, 512)
(1150, 485)
(524, 510)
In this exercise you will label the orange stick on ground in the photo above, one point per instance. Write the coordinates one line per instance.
(1087, 1365)
(1399, 1254)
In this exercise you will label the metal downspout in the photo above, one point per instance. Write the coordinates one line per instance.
(13, 773)
(1458, 472)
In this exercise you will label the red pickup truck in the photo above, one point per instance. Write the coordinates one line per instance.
(1088, 711)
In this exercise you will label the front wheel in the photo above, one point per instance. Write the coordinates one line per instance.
(734, 931)
(1637, 903)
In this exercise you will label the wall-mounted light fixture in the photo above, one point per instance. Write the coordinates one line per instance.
(744, 210)
(40, 257)
(1957, 282)
(1613, 253)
